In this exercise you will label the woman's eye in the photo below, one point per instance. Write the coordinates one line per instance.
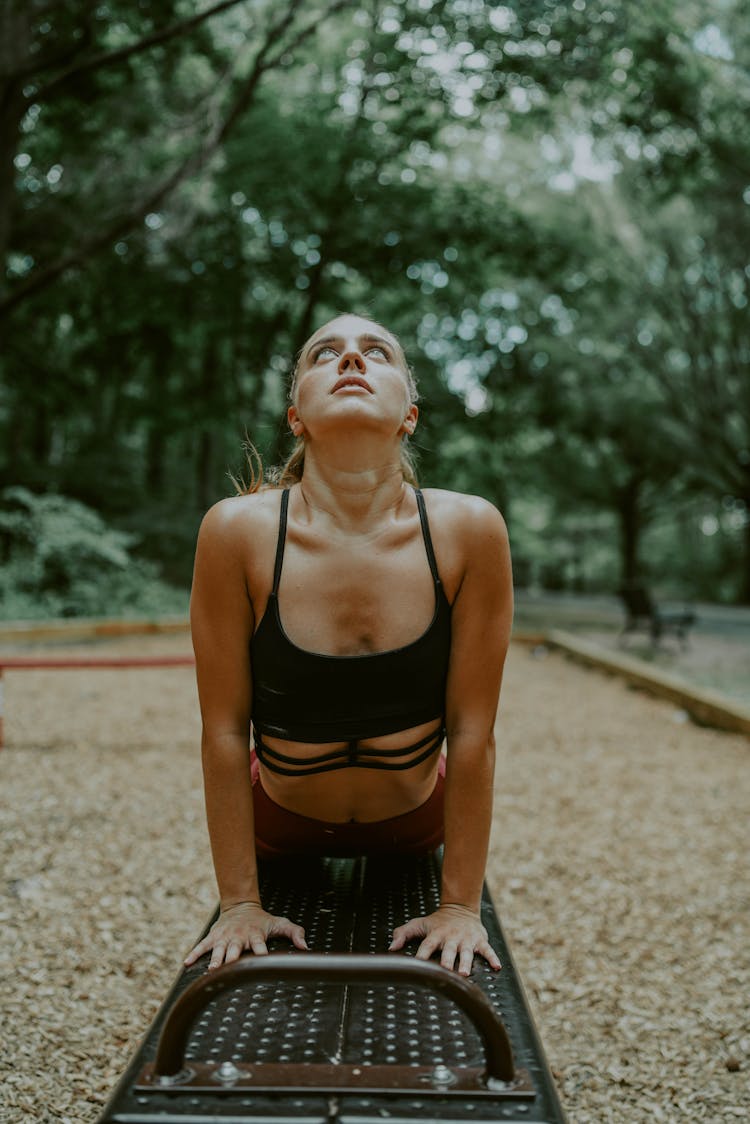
(382, 351)
(322, 351)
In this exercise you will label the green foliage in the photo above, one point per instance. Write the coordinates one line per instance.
(61, 559)
(547, 202)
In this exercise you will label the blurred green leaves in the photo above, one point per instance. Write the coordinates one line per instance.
(59, 558)
(548, 202)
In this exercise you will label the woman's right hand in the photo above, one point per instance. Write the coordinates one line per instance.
(244, 926)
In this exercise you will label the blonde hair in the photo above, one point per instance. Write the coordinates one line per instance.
(290, 471)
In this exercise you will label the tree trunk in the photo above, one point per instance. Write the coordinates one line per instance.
(745, 588)
(41, 440)
(15, 38)
(628, 509)
(155, 449)
(160, 349)
(302, 332)
(304, 327)
(210, 380)
(204, 469)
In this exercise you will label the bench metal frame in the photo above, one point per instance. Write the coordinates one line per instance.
(345, 1034)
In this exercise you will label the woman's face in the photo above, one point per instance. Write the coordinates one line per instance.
(352, 370)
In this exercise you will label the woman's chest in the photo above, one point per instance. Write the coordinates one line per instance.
(356, 600)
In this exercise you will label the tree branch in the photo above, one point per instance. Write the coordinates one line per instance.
(108, 58)
(37, 65)
(87, 246)
(305, 31)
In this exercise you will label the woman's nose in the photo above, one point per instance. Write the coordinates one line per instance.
(351, 361)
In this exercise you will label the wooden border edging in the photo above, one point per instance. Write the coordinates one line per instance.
(88, 628)
(68, 663)
(705, 707)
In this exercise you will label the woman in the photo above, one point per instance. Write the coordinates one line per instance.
(357, 623)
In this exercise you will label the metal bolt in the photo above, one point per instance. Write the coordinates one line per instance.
(498, 1086)
(441, 1075)
(167, 1079)
(228, 1072)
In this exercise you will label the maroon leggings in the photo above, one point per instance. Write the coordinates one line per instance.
(281, 832)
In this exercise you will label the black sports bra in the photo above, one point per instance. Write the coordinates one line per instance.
(306, 696)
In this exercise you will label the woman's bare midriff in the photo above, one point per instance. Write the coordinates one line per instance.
(353, 794)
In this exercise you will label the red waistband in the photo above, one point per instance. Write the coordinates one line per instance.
(281, 832)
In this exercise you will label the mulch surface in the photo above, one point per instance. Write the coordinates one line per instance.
(618, 865)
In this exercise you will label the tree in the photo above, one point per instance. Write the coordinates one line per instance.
(505, 188)
(81, 67)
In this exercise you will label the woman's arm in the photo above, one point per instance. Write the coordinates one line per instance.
(222, 622)
(481, 624)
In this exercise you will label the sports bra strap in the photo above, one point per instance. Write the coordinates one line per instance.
(427, 536)
(281, 541)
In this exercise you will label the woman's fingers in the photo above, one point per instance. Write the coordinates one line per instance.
(486, 950)
(217, 956)
(437, 933)
(430, 944)
(414, 928)
(195, 953)
(240, 929)
(465, 960)
(283, 927)
(448, 955)
(233, 952)
(455, 932)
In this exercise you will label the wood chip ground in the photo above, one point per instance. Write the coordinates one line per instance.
(619, 866)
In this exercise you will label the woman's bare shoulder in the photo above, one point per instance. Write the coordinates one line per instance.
(469, 534)
(463, 514)
(244, 528)
(236, 517)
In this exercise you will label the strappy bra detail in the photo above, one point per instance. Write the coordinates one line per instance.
(353, 756)
(312, 697)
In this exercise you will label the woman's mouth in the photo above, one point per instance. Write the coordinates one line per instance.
(351, 382)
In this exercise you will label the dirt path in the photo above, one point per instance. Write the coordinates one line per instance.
(618, 865)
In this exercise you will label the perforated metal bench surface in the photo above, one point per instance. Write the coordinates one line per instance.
(366, 1035)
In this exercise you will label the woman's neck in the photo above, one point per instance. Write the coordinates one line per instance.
(356, 494)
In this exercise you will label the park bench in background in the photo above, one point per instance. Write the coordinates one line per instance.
(642, 614)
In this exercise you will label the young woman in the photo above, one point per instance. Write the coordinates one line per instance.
(360, 626)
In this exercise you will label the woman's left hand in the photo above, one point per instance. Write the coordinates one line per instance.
(456, 930)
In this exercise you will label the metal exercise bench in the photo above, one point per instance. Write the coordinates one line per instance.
(346, 1034)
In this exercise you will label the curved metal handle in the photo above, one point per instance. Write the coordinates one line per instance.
(349, 968)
